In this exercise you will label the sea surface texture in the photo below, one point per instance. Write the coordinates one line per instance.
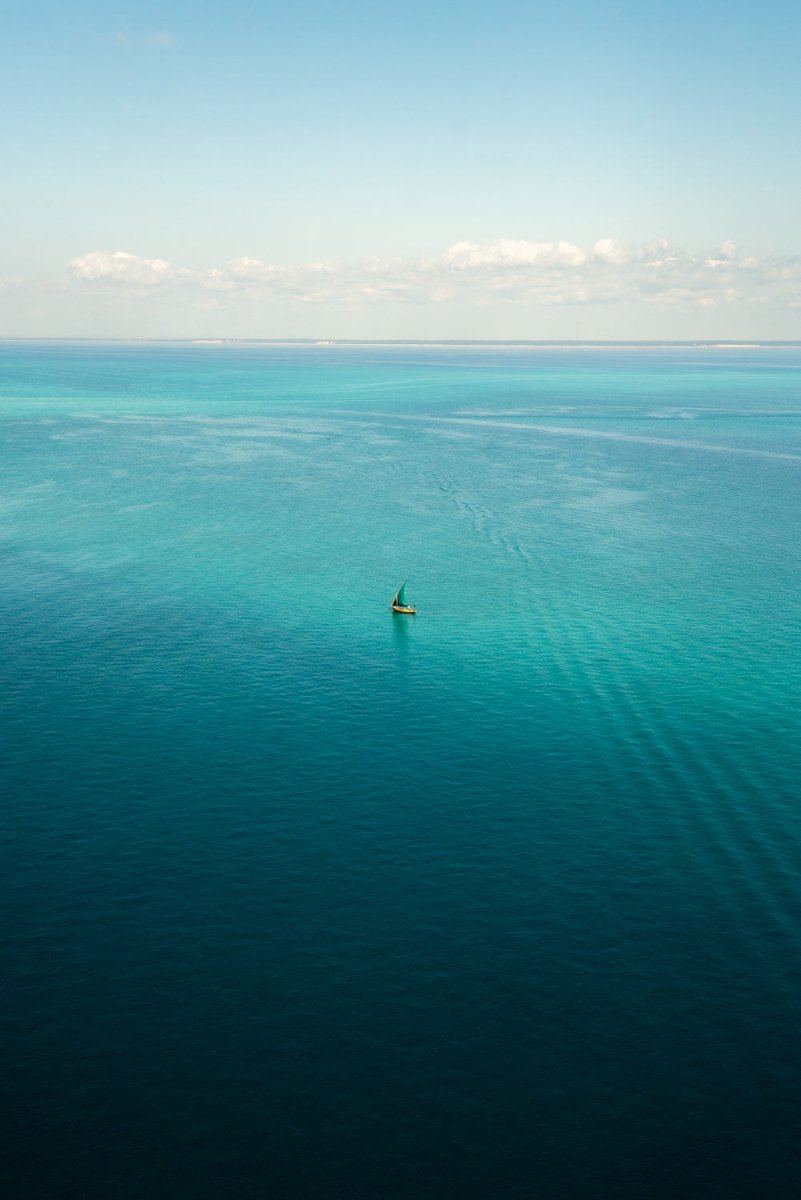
(306, 899)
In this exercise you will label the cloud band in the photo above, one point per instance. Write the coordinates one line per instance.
(503, 271)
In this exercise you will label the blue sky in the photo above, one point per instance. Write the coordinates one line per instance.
(416, 170)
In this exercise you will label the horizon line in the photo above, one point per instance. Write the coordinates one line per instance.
(322, 342)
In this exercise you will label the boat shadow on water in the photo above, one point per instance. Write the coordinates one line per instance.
(402, 629)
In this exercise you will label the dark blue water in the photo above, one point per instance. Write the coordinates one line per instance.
(304, 899)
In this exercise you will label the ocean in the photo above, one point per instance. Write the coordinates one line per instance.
(305, 898)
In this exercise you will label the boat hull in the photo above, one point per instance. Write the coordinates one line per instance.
(404, 608)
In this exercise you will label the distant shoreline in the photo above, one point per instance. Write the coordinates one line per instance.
(433, 343)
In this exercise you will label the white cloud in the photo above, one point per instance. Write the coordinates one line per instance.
(610, 250)
(508, 271)
(506, 253)
(121, 268)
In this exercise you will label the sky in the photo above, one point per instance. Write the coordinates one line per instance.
(419, 170)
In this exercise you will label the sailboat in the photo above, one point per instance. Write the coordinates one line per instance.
(400, 603)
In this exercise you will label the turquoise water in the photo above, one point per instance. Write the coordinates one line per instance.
(307, 899)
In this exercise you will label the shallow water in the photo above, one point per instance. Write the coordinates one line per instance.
(305, 898)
